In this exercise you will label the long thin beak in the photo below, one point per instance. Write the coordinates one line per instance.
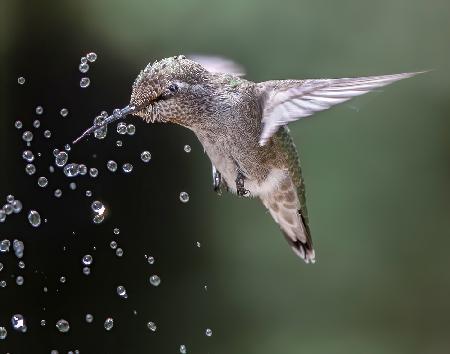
(113, 117)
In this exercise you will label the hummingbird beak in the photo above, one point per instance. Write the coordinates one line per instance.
(130, 109)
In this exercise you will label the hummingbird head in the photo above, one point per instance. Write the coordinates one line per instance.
(170, 90)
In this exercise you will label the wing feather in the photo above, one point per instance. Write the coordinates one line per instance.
(287, 104)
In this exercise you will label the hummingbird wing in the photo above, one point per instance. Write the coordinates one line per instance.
(289, 100)
(217, 64)
(287, 203)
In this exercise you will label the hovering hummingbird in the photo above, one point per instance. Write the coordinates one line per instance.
(242, 126)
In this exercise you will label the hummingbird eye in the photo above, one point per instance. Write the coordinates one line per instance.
(173, 88)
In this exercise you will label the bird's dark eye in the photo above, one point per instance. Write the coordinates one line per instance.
(173, 87)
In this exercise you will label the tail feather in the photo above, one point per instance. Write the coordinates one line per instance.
(284, 206)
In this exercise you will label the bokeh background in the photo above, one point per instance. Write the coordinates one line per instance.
(376, 170)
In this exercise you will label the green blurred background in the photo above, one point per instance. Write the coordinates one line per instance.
(376, 169)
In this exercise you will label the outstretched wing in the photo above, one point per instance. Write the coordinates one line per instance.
(217, 64)
(297, 99)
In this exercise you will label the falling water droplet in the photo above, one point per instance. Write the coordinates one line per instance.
(116, 231)
(18, 323)
(131, 129)
(58, 193)
(93, 172)
(187, 148)
(19, 280)
(30, 169)
(155, 280)
(119, 252)
(18, 124)
(85, 82)
(17, 206)
(63, 326)
(21, 80)
(43, 323)
(122, 292)
(64, 112)
(34, 218)
(127, 167)
(87, 260)
(37, 123)
(146, 156)
(84, 68)
(39, 110)
(27, 155)
(42, 182)
(151, 260)
(183, 349)
(62, 279)
(27, 136)
(3, 333)
(89, 318)
(113, 245)
(184, 197)
(109, 324)
(91, 57)
(86, 270)
(111, 165)
(61, 158)
(47, 134)
(208, 332)
(83, 60)
(151, 326)
(71, 170)
(121, 128)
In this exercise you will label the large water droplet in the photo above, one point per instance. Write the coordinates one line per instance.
(63, 326)
(34, 218)
(3, 332)
(30, 169)
(27, 136)
(119, 252)
(71, 170)
(86, 270)
(27, 155)
(17, 206)
(112, 165)
(84, 68)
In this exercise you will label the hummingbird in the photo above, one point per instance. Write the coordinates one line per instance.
(242, 126)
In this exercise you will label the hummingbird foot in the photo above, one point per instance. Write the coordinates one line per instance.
(240, 186)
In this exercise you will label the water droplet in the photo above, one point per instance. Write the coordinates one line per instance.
(3, 284)
(55, 152)
(19, 280)
(91, 57)
(71, 170)
(208, 332)
(198, 244)
(17, 206)
(85, 82)
(98, 218)
(116, 113)
(84, 68)
(27, 155)
(58, 193)
(187, 148)
(47, 134)
(86, 270)
(36, 123)
(151, 326)
(93, 172)
(39, 110)
(67, 147)
(131, 129)
(4, 246)
(64, 112)
(82, 169)
(43, 323)
(83, 60)
(1, 267)
(87, 260)
(122, 292)
(184, 197)
(3, 332)
(116, 231)
(113, 245)
(8, 209)
(27, 136)
(21, 80)
(119, 143)
(21, 264)
(119, 252)
(183, 349)
(121, 128)
(30, 169)
(146, 156)
(42, 182)
(73, 186)
(155, 280)
(89, 318)
(18, 124)
(63, 326)
(109, 324)
(18, 248)
(127, 167)
(62, 279)
(18, 323)
(151, 260)
(61, 158)
(98, 207)
(88, 193)
(34, 218)
(112, 165)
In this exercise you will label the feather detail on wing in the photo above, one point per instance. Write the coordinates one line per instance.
(282, 105)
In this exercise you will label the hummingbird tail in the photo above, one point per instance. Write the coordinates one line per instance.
(284, 206)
